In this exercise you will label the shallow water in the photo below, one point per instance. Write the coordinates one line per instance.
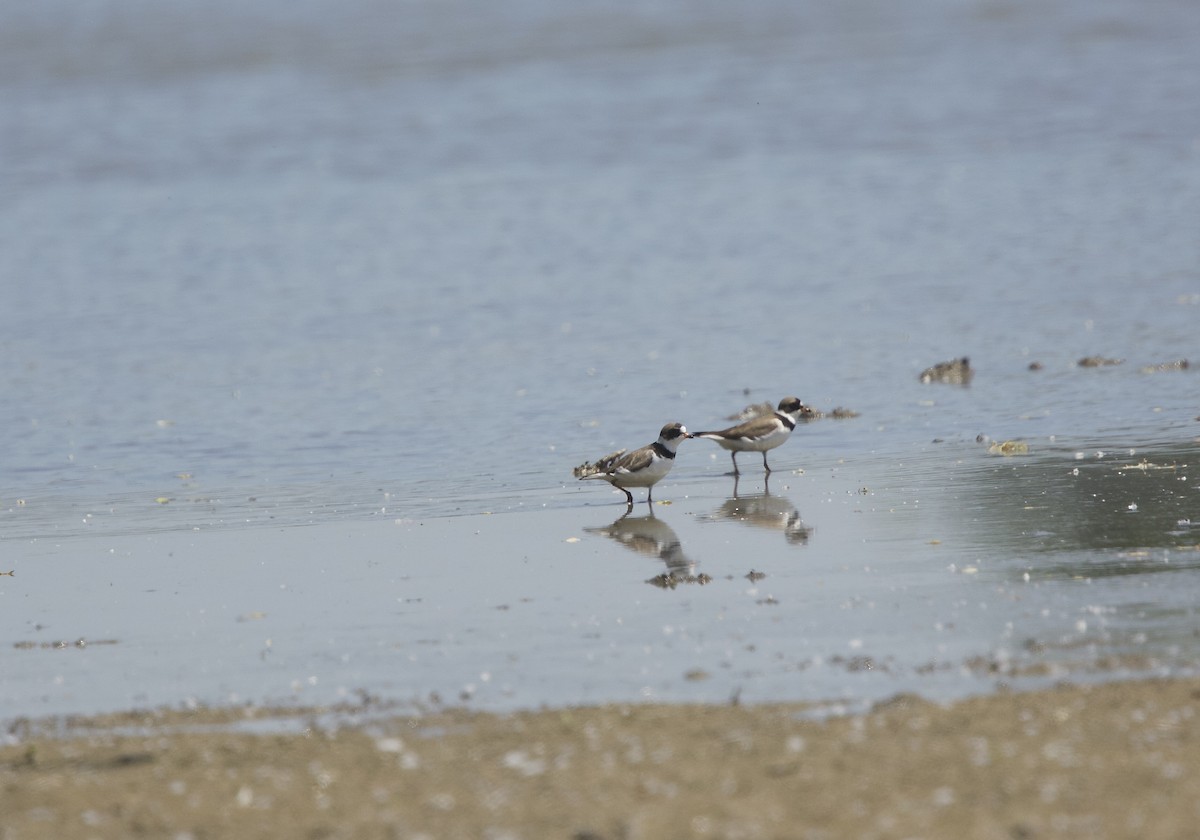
(842, 585)
(338, 266)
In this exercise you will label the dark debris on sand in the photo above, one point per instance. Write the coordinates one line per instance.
(953, 372)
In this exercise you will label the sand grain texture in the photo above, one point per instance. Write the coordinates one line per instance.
(1117, 760)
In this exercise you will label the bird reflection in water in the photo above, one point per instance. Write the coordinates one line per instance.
(650, 536)
(763, 510)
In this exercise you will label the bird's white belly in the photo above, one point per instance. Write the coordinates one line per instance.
(761, 444)
(643, 478)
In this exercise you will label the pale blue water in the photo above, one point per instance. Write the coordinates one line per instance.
(330, 263)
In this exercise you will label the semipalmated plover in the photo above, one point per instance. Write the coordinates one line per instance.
(643, 467)
(759, 434)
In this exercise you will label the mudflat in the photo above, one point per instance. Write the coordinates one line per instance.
(1119, 759)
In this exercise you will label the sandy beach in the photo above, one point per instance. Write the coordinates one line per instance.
(1113, 760)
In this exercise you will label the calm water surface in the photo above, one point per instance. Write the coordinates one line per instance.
(343, 265)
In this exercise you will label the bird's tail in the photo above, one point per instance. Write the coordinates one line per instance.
(598, 468)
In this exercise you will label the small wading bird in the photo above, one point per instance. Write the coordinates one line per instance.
(643, 467)
(759, 434)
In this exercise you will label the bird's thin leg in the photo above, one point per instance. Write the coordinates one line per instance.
(766, 466)
(649, 495)
(628, 496)
(733, 455)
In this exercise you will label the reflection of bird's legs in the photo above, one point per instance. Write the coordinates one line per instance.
(735, 484)
(766, 466)
(767, 484)
(733, 455)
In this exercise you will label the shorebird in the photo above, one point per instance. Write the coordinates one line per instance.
(643, 467)
(759, 434)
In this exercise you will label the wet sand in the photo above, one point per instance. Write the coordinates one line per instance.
(1113, 760)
